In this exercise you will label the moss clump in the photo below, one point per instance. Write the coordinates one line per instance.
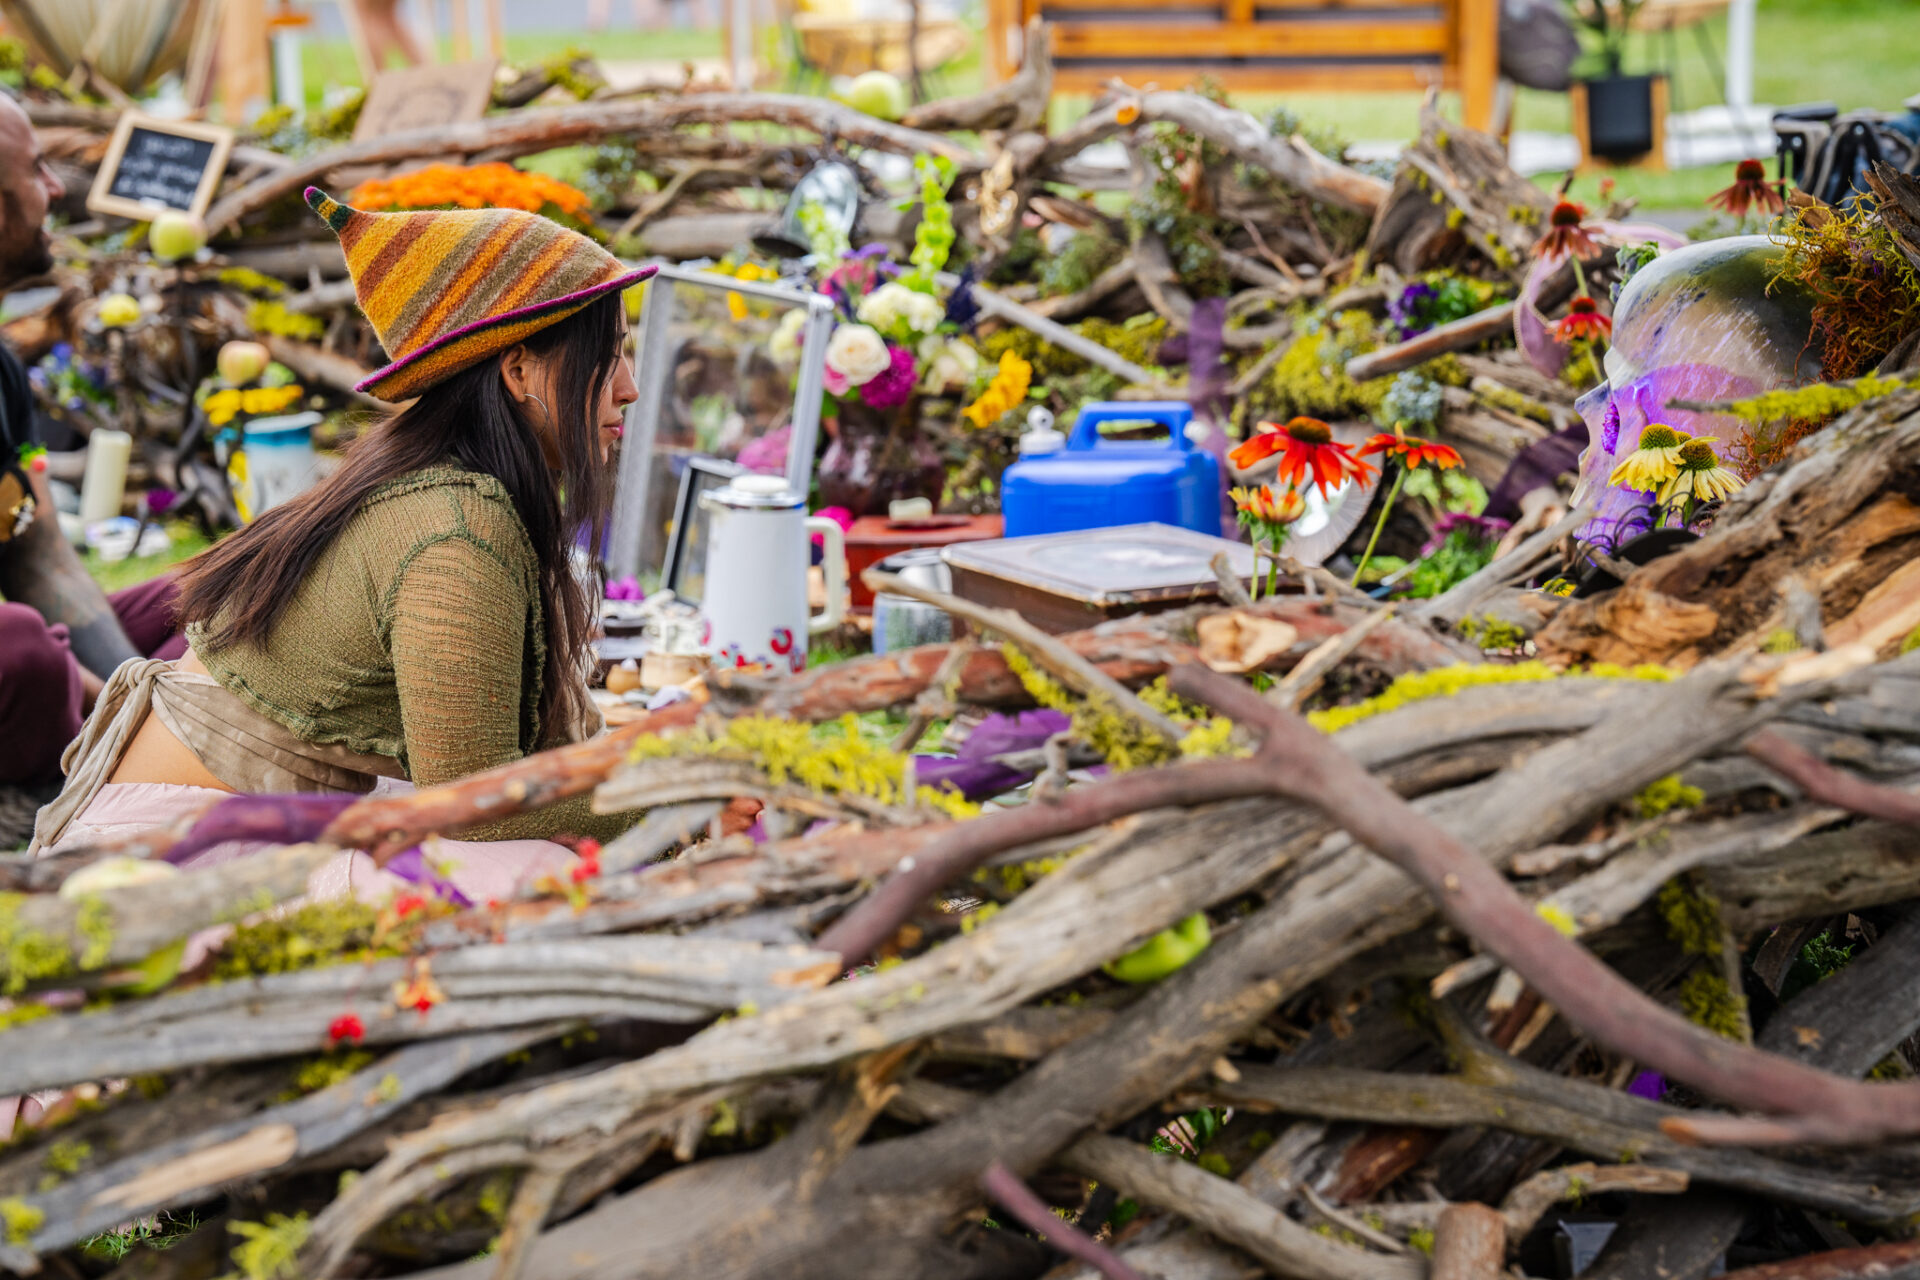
(1692, 916)
(1123, 742)
(247, 280)
(270, 1250)
(66, 1158)
(1216, 1164)
(1821, 402)
(316, 934)
(1079, 263)
(21, 1014)
(1912, 641)
(1492, 633)
(1512, 401)
(1709, 1002)
(268, 316)
(790, 751)
(1666, 794)
(1444, 682)
(1420, 1240)
(19, 1220)
(327, 1070)
(27, 955)
(1311, 379)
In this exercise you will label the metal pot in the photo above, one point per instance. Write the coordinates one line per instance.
(900, 622)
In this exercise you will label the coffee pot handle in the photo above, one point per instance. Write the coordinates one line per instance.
(833, 561)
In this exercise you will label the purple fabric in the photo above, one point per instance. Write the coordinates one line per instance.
(411, 865)
(285, 819)
(973, 772)
(40, 689)
(1537, 466)
(1650, 1085)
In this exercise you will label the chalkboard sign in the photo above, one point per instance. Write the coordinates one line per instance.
(155, 165)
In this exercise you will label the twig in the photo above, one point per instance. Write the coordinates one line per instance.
(936, 699)
(1000, 1183)
(1232, 590)
(1891, 1259)
(1224, 1210)
(532, 1201)
(1823, 782)
(1300, 683)
(1062, 662)
(652, 208)
(1331, 583)
(1347, 1222)
(1526, 1203)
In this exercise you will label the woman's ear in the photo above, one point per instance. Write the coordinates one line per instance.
(516, 370)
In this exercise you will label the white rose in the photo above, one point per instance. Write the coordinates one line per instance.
(950, 365)
(924, 311)
(894, 306)
(858, 354)
(784, 345)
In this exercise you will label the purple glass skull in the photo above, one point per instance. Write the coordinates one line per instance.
(1698, 323)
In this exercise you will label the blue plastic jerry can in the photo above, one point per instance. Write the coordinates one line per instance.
(1096, 483)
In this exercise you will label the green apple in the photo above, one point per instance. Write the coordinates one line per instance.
(176, 235)
(242, 362)
(118, 310)
(878, 94)
(1164, 952)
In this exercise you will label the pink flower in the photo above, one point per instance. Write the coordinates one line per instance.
(892, 386)
(836, 382)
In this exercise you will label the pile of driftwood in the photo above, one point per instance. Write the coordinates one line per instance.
(1280, 226)
(1444, 938)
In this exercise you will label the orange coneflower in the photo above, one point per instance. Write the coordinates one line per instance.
(1309, 449)
(1750, 187)
(1565, 234)
(1583, 320)
(1261, 503)
(1411, 450)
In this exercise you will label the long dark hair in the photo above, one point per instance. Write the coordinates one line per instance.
(469, 420)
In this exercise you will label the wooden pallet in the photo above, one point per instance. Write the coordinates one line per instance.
(1269, 46)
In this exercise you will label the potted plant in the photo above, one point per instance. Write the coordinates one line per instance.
(1618, 116)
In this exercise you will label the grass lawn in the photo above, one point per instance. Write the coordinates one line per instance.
(1857, 53)
(188, 542)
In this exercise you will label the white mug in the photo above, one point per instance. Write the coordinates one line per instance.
(755, 605)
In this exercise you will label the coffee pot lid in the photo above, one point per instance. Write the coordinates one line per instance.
(751, 490)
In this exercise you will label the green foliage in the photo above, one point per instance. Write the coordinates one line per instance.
(13, 62)
(1461, 554)
(270, 1250)
(319, 933)
(162, 1231)
(1820, 959)
(933, 235)
(825, 240)
(1664, 795)
(1412, 399)
(1311, 380)
(1444, 682)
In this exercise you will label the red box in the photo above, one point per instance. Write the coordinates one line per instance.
(874, 538)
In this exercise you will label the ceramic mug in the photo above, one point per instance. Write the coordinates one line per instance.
(755, 599)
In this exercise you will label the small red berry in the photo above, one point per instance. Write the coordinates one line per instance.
(408, 903)
(346, 1027)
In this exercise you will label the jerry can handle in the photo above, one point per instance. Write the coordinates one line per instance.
(1174, 415)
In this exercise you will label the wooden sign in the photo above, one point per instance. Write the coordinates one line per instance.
(155, 165)
(425, 98)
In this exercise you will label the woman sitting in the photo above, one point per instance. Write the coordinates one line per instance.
(416, 615)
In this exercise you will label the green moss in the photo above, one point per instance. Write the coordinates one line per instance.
(1820, 402)
(1444, 682)
(1709, 1002)
(268, 316)
(1122, 742)
(21, 1014)
(1912, 641)
(1079, 262)
(791, 751)
(65, 1158)
(270, 1250)
(19, 1220)
(1513, 402)
(319, 933)
(496, 1195)
(1781, 641)
(1492, 633)
(327, 1070)
(1311, 379)
(1215, 1163)
(1692, 916)
(1663, 795)
(27, 955)
(1420, 1240)
(247, 280)
(95, 924)
(1892, 1067)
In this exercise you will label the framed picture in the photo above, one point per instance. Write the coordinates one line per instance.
(725, 370)
(685, 572)
(152, 166)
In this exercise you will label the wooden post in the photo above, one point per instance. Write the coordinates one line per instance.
(245, 77)
(1477, 49)
(460, 25)
(1003, 21)
(1469, 1243)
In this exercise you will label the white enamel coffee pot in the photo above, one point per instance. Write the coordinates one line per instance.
(755, 605)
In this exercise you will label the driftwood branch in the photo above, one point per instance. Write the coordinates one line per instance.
(1456, 335)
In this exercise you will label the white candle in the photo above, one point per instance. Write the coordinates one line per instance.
(105, 482)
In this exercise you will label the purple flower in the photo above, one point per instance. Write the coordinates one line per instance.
(893, 386)
(1480, 528)
(627, 588)
(1650, 1085)
(1408, 307)
(767, 454)
(1610, 428)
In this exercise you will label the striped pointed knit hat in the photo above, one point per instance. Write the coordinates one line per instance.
(445, 289)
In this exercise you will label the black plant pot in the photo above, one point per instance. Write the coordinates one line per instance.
(1621, 121)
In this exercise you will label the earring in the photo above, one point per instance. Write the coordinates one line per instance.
(544, 411)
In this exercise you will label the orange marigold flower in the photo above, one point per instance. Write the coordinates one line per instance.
(1583, 320)
(1307, 448)
(1750, 187)
(419, 992)
(1565, 234)
(480, 186)
(1262, 504)
(346, 1027)
(1412, 450)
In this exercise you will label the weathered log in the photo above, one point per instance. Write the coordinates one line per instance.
(1455, 194)
(1017, 105)
(1469, 1243)
(1456, 335)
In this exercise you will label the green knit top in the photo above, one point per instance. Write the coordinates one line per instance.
(418, 635)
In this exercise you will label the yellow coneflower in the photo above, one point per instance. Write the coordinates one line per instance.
(1654, 462)
(1699, 475)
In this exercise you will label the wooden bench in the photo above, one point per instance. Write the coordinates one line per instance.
(1263, 45)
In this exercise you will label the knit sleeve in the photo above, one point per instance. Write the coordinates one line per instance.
(457, 637)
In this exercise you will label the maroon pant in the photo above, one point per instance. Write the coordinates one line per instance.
(40, 689)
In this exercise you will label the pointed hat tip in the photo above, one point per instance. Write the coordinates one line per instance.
(331, 211)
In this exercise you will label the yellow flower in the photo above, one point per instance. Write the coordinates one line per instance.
(1559, 917)
(221, 406)
(1003, 394)
(1654, 462)
(737, 307)
(1699, 475)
